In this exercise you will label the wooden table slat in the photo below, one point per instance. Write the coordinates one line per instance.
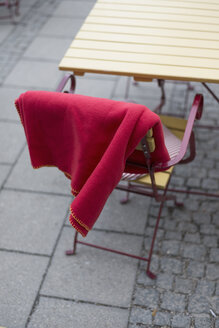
(145, 49)
(212, 4)
(212, 21)
(173, 42)
(159, 24)
(143, 58)
(139, 70)
(132, 30)
(157, 8)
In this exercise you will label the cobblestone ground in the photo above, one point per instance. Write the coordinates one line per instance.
(186, 258)
(186, 290)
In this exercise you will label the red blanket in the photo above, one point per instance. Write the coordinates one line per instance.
(87, 138)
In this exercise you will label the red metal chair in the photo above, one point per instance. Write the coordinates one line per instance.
(179, 137)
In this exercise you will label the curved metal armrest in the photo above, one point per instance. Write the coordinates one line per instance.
(195, 113)
(64, 81)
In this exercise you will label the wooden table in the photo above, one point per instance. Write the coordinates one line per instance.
(147, 39)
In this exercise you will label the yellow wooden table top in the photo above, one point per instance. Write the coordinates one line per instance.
(147, 39)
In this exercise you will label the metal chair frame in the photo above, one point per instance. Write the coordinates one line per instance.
(159, 195)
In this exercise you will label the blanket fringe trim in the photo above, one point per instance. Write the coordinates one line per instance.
(78, 220)
(19, 112)
(76, 227)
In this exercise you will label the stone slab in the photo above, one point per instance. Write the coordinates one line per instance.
(8, 96)
(32, 74)
(5, 29)
(31, 222)
(20, 277)
(48, 48)
(4, 170)
(61, 27)
(93, 275)
(12, 140)
(79, 9)
(45, 179)
(58, 313)
(130, 217)
(95, 87)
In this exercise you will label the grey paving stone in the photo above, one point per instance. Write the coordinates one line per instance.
(194, 252)
(12, 140)
(130, 217)
(217, 289)
(213, 174)
(8, 96)
(170, 247)
(210, 241)
(177, 181)
(143, 279)
(4, 170)
(140, 316)
(208, 229)
(171, 265)
(212, 271)
(195, 269)
(181, 214)
(201, 217)
(192, 238)
(191, 204)
(164, 281)
(74, 9)
(200, 173)
(205, 287)
(61, 27)
(5, 31)
(184, 286)
(162, 319)
(32, 74)
(214, 255)
(211, 184)
(147, 297)
(47, 179)
(61, 313)
(24, 3)
(181, 321)
(173, 302)
(93, 275)
(198, 304)
(170, 225)
(210, 206)
(95, 87)
(173, 235)
(48, 48)
(193, 182)
(215, 219)
(31, 222)
(203, 321)
(187, 227)
(217, 323)
(20, 277)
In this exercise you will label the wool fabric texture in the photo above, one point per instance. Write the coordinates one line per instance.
(91, 140)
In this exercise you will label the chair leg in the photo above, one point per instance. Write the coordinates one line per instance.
(73, 250)
(148, 272)
(126, 199)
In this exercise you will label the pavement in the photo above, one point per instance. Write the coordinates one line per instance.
(39, 285)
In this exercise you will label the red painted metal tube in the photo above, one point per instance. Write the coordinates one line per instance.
(113, 251)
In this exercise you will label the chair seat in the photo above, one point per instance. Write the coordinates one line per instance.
(173, 129)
